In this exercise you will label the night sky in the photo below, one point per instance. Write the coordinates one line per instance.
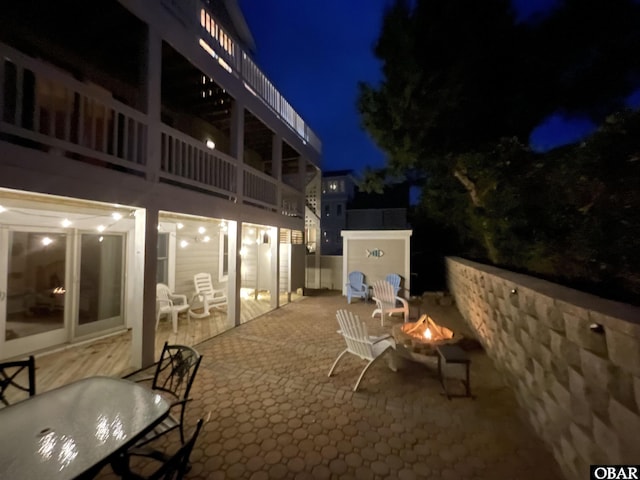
(315, 52)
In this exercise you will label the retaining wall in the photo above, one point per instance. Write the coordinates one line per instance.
(572, 358)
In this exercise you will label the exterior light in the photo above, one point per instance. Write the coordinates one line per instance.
(210, 144)
(101, 228)
(180, 226)
(183, 244)
(65, 223)
(46, 241)
(201, 230)
(116, 215)
(2, 209)
(206, 239)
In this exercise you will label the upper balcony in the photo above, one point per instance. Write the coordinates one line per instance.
(69, 86)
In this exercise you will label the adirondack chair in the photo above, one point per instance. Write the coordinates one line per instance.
(205, 293)
(356, 286)
(387, 302)
(394, 279)
(359, 343)
(168, 303)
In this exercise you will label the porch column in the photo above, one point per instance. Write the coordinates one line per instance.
(151, 92)
(302, 183)
(234, 279)
(237, 145)
(143, 290)
(276, 166)
(274, 248)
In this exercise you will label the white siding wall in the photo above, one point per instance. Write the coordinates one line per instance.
(196, 257)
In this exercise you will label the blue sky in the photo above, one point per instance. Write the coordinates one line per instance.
(316, 52)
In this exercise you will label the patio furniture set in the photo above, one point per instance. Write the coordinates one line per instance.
(371, 348)
(76, 430)
(205, 298)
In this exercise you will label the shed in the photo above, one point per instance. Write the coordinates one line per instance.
(377, 253)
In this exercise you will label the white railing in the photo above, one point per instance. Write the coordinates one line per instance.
(187, 161)
(218, 41)
(56, 112)
(293, 202)
(259, 189)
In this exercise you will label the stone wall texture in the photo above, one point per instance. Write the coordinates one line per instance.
(572, 358)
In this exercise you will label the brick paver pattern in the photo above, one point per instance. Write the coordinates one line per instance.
(272, 412)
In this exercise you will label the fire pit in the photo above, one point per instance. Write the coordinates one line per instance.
(422, 337)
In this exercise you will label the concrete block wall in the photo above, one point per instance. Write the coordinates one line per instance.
(579, 387)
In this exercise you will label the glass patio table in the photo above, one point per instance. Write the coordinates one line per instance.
(67, 432)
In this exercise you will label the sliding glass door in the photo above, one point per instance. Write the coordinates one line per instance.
(101, 283)
(33, 289)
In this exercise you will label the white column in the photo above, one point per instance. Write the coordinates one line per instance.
(274, 235)
(237, 145)
(234, 281)
(143, 288)
(276, 166)
(152, 92)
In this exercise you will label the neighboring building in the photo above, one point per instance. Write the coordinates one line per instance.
(338, 188)
(140, 143)
(344, 207)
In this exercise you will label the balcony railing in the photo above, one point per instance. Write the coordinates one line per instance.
(47, 109)
(55, 112)
(231, 56)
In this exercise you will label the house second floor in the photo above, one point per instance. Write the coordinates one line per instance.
(165, 91)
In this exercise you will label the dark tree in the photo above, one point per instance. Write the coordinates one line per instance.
(465, 83)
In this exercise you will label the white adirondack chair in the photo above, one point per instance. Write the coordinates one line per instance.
(359, 343)
(387, 302)
(207, 295)
(170, 304)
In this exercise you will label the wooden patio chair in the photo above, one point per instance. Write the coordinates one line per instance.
(394, 279)
(356, 286)
(387, 302)
(359, 343)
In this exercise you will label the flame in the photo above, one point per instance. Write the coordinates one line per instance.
(427, 334)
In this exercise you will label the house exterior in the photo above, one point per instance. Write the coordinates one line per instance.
(140, 144)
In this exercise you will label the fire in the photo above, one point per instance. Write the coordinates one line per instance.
(425, 330)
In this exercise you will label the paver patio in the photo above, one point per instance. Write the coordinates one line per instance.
(273, 413)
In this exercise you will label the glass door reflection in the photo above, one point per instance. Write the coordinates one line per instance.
(101, 283)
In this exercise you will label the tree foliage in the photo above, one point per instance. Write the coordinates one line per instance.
(464, 85)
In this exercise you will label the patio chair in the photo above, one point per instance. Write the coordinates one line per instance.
(356, 287)
(387, 302)
(173, 378)
(169, 304)
(12, 374)
(394, 279)
(174, 467)
(209, 297)
(359, 343)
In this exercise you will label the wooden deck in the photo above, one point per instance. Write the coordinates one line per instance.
(111, 355)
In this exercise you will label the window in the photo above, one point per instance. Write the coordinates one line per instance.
(223, 270)
(162, 274)
(339, 210)
(333, 186)
(327, 210)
